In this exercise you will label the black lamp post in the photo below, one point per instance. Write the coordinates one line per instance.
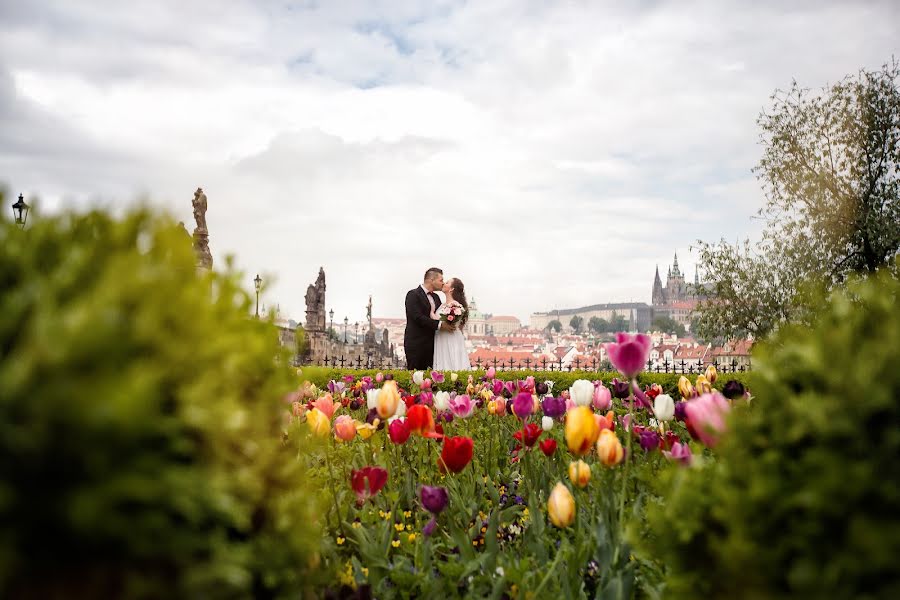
(20, 211)
(356, 335)
(258, 283)
(331, 323)
(346, 320)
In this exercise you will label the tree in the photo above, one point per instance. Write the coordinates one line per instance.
(576, 323)
(301, 341)
(617, 323)
(554, 325)
(667, 324)
(830, 170)
(598, 325)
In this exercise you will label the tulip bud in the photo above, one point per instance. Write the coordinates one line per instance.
(546, 423)
(372, 398)
(379, 377)
(441, 401)
(454, 377)
(664, 407)
(703, 385)
(582, 392)
(711, 374)
(318, 422)
(579, 473)
(609, 448)
(685, 388)
(344, 428)
(581, 430)
(561, 506)
(418, 378)
(388, 400)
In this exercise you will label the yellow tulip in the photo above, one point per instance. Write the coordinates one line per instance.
(365, 430)
(581, 430)
(454, 377)
(711, 373)
(685, 388)
(318, 422)
(609, 448)
(388, 399)
(703, 385)
(579, 473)
(561, 506)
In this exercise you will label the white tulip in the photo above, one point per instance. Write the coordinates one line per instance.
(549, 386)
(547, 423)
(400, 413)
(664, 407)
(441, 401)
(372, 398)
(454, 377)
(582, 392)
(418, 378)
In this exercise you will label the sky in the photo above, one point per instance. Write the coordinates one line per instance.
(549, 154)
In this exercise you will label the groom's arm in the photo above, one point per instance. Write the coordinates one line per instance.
(415, 314)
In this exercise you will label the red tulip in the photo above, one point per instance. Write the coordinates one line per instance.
(367, 482)
(456, 454)
(548, 446)
(420, 419)
(528, 435)
(399, 431)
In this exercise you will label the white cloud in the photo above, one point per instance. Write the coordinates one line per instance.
(550, 154)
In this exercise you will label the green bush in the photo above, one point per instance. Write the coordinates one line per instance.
(802, 500)
(141, 450)
(320, 376)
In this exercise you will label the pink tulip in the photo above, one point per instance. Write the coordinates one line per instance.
(437, 377)
(325, 404)
(630, 353)
(527, 385)
(680, 452)
(379, 377)
(706, 417)
(523, 405)
(570, 404)
(491, 373)
(602, 397)
(462, 406)
(344, 428)
(426, 384)
(497, 387)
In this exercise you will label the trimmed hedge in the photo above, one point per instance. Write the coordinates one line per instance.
(141, 451)
(320, 376)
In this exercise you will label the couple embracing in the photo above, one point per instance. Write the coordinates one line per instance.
(434, 337)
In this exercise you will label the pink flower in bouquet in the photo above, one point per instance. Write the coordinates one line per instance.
(630, 353)
(325, 404)
(706, 417)
(462, 406)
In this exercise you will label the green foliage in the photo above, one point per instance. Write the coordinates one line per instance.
(554, 325)
(598, 325)
(141, 451)
(576, 323)
(302, 342)
(668, 325)
(830, 169)
(802, 499)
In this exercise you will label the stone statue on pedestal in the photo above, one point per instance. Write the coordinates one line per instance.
(201, 233)
(315, 304)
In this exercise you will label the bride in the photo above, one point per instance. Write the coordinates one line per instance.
(450, 346)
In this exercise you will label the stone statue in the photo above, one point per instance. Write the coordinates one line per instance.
(315, 303)
(369, 311)
(201, 233)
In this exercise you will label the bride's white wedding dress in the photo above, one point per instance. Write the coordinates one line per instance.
(450, 351)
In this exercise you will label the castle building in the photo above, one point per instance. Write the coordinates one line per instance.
(678, 299)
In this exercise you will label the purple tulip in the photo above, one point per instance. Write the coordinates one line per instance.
(733, 390)
(641, 399)
(497, 387)
(527, 385)
(348, 379)
(649, 439)
(620, 389)
(523, 405)
(680, 452)
(680, 412)
(354, 404)
(437, 377)
(462, 406)
(429, 527)
(510, 388)
(434, 499)
(542, 388)
(630, 353)
(427, 398)
(553, 407)
(388, 376)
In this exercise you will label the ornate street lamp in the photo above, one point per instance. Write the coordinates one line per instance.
(346, 320)
(257, 281)
(356, 335)
(20, 211)
(331, 323)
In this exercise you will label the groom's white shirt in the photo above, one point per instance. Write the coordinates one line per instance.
(431, 302)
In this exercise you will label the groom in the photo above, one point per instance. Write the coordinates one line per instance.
(421, 303)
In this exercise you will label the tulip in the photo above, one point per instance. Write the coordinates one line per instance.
(456, 454)
(546, 423)
(561, 506)
(680, 452)
(685, 388)
(399, 431)
(630, 353)
(527, 385)
(711, 374)
(491, 373)
(418, 378)
(706, 416)
(437, 377)
(582, 392)
(388, 399)
(541, 388)
(548, 446)
(426, 384)
(581, 430)
(649, 440)
(372, 399)
(367, 482)
(606, 422)
(523, 405)
(344, 428)
(602, 399)
(441, 401)
(366, 430)
(654, 390)
(318, 423)
(325, 404)
(401, 412)
(553, 407)
(298, 409)
(420, 419)
(579, 473)
(462, 406)
(642, 399)
(702, 384)
(379, 377)
(528, 435)
(609, 448)
(620, 389)
(679, 410)
(454, 377)
(434, 499)
(664, 407)
(426, 398)
(733, 390)
(499, 406)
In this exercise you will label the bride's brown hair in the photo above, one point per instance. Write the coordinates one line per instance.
(459, 294)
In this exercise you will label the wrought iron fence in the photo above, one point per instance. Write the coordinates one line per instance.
(684, 367)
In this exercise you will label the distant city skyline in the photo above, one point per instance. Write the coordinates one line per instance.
(550, 162)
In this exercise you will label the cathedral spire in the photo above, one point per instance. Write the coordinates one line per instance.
(675, 270)
(659, 296)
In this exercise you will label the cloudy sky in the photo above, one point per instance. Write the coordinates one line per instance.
(551, 154)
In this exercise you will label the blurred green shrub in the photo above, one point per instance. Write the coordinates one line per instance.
(802, 500)
(141, 450)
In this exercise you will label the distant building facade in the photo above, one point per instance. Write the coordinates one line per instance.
(637, 314)
(678, 299)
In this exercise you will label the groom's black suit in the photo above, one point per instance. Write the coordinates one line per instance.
(418, 340)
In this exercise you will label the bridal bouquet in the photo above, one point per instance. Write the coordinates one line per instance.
(451, 312)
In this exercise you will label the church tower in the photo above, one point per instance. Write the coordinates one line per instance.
(659, 296)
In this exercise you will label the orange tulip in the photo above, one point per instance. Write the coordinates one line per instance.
(579, 473)
(581, 430)
(609, 448)
(325, 404)
(561, 506)
(344, 428)
(607, 421)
